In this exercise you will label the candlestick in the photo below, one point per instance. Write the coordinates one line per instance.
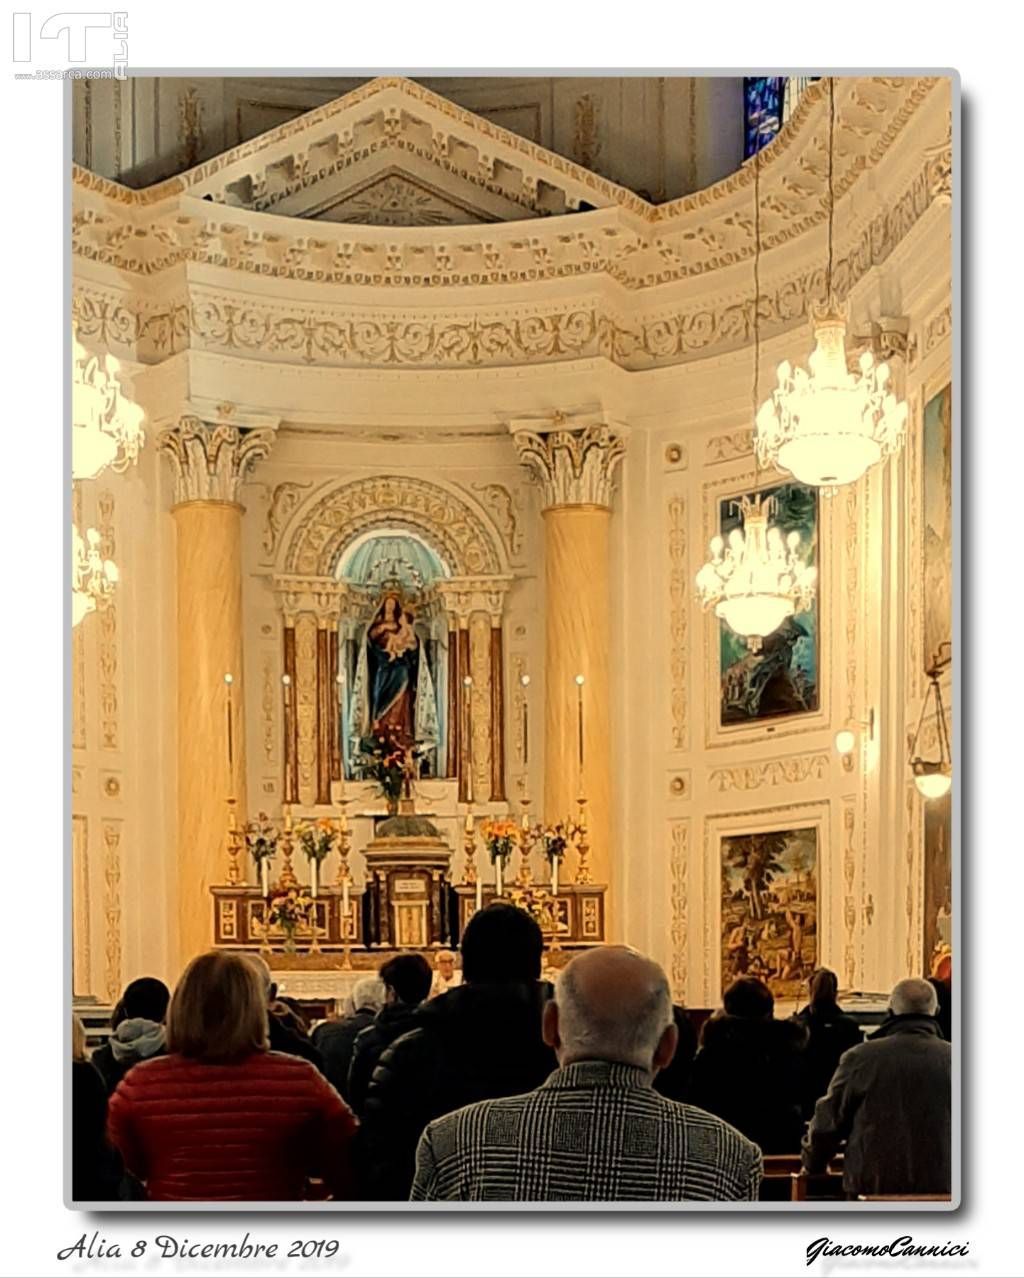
(469, 822)
(345, 900)
(579, 722)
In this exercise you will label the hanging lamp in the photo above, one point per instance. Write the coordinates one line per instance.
(827, 426)
(934, 777)
(755, 579)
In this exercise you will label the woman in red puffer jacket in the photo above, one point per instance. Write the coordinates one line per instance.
(220, 1117)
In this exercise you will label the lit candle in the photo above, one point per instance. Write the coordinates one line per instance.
(554, 876)
(467, 684)
(312, 877)
(341, 706)
(265, 875)
(525, 681)
(344, 905)
(228, 681)
(286, 690)
(479, 892)
(579, 722)
(497, 875)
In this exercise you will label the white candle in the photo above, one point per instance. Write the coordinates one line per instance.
(479, 893)
(579, 723)
(525, 681)
(344, 907)
(312, 878)
(265, 875)
(554, 876)
(497, 875)
(469, 822)
(467, 684)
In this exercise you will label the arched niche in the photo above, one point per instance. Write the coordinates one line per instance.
(325, 603)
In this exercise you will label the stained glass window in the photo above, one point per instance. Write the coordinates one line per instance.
(763, 94)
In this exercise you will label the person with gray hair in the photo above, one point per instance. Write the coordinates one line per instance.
(335, 1039)
(595, 1130)
(283, 1032)
(890, 1099)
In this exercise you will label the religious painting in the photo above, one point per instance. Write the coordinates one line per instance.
(938, 882)
(770, 908)
(781, 678)
(937, 465)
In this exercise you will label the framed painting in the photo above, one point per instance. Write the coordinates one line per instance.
(937, 548)
(769, 914)
(782, 678)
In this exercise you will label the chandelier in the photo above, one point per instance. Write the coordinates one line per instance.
(757, 578)
(93, 578)
(934, 777)
(106, 425)
(829, 425)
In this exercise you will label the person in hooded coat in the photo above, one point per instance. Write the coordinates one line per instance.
(138, 1034)
(750, 1069)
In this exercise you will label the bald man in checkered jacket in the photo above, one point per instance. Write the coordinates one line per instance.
(595, 1131)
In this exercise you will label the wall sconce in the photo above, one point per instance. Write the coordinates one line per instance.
(846, 738)
(933, 777)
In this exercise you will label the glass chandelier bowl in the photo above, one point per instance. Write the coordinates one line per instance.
(933, 781)
(827, 426)
(756, 578)
(93, 578)
(106, 424)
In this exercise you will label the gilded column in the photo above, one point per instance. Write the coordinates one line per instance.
(210, 463)
(576, 471)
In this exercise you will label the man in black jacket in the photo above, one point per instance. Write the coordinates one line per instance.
(750, 1068)
(891, 1101)
(479, 1041)
(336, 1039)
(407, 980)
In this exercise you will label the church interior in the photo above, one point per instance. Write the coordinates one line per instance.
(527, 488)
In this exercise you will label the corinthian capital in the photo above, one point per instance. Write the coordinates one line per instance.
(575, 465)
(211, 461)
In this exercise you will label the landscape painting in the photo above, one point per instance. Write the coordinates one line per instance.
(938, 522)
(782, 678)
(770, 909)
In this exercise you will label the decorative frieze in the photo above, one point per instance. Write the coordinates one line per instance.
(575, 467)
(770, 773)
(678, 863)
(211, 461)
(679, 607)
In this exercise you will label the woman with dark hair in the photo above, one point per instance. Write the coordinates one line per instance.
(221, 1117)
(97, 1172)
(830, 1033)
(137, 1023)
(749, 1069)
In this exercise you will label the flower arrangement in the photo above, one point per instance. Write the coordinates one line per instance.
(501, 838)
(288, 912)
(383, 757)
(556, 838)
(261, 839)
(316, 838)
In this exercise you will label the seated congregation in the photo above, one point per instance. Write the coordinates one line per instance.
(503, 1087)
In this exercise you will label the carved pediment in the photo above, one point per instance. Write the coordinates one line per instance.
(394, 154)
